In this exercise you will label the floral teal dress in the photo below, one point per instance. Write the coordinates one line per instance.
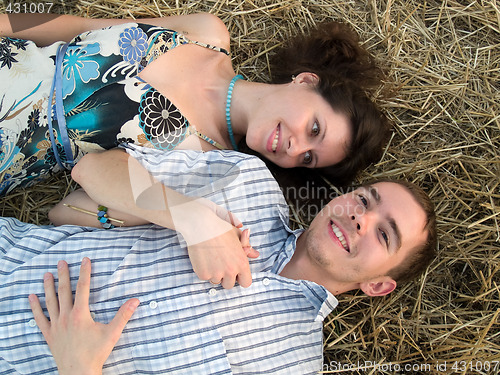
(60, 102)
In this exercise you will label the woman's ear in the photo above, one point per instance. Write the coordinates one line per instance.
(378, 288)
(307, 78)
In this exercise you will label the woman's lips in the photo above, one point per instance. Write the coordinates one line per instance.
(273, 143)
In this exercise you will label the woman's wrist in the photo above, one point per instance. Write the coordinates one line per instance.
(197, 222)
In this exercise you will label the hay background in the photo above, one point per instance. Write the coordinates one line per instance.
(444, 101)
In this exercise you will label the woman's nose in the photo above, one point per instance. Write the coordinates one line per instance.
(297, 147)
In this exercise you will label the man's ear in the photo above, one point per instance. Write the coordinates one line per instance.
(379, 287)
(311, 79)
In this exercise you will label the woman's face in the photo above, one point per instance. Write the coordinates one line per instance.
(296, 127)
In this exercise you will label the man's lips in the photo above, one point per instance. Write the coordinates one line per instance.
(273, 143)
(338, 235)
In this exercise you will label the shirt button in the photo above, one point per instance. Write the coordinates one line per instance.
(153, 304)
(92, 314)
(212, 292)
(266, 281)
(32, 323)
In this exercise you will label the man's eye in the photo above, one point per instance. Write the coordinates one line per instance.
(315, 129)
(385, 237)
(363, 200)
(307, 158)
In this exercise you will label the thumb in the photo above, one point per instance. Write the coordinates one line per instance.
(245, 238)
(245, 244)
(122, 317)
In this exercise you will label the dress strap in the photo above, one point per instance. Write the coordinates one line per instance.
(205, 45)
(56, 89)
(169, 39)
(205, 138)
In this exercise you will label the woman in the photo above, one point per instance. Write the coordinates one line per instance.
(121, 83)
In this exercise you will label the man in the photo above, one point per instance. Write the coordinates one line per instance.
(368, 240)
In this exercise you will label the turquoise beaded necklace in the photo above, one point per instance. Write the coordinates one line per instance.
(228, 112)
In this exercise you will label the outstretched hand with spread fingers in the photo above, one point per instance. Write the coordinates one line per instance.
(78, 343)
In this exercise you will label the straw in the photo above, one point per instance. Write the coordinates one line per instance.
(442, 95)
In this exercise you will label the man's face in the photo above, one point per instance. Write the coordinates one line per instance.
(360, 236)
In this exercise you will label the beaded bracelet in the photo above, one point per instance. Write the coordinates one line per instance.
(102, 216)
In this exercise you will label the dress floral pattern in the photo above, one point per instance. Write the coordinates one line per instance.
(104, 100)
(133, 45)
(161, 121)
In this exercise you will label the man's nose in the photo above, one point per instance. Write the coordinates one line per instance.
(362, 222)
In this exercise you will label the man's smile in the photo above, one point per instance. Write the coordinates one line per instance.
(338, 235)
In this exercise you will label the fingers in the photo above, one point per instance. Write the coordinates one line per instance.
(228, 281)
(40, 319)
(245, 244)
(245, 238)
(245, 278)
(50, 296)
(64, 288)
(122, 317)
(251, 252)
(83, 286)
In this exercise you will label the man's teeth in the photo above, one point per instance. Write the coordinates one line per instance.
(275, 140)
(339, 235)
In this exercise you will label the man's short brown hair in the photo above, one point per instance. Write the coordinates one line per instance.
(421, 256)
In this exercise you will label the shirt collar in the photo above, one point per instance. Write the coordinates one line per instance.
(289, 245)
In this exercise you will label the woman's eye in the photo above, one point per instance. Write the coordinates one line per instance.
(307, 158)
(315, 129)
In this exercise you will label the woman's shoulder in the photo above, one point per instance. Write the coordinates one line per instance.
(202, 27)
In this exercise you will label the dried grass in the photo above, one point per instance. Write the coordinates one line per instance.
(444, 102)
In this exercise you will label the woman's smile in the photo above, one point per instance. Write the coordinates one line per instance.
(274, 140)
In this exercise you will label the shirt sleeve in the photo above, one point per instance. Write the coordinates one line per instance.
(202, 174)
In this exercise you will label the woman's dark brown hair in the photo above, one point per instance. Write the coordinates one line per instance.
(347, 72)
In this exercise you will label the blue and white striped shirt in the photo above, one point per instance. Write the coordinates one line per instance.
(183, 325)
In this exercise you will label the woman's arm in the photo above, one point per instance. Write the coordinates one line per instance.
(45, 29)
(118, 181)
(63, 213)
(218, 251)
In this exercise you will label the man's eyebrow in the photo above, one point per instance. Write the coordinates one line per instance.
(397, 233)
(375, 195)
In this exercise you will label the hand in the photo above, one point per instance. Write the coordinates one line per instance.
(224, 259)
(218, 250)
(79, 345)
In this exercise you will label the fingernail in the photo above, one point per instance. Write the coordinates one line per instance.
(85, 261)
(32, 298)
(47, 276)
(60, 264)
